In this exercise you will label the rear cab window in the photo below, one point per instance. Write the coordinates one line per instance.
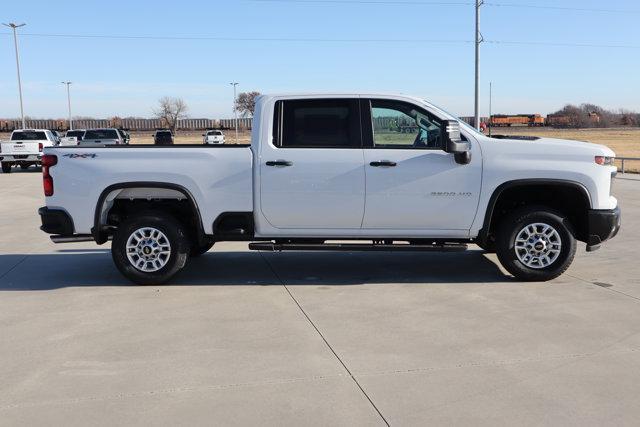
(75, 133)
(101, 134)
(317, 123)
(28, 135)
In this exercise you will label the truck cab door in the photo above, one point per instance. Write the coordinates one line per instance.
(411, 182)
(312, 170)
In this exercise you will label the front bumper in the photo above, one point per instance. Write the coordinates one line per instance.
(602, 226)
(56, 221)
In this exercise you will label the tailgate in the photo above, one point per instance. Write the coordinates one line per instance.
(20, 147)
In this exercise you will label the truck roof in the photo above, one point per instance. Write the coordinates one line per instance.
(395, 96)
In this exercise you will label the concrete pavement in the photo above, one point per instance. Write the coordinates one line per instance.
(313, 338)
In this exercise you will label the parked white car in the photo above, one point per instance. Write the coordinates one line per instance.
(72, 137)
(326, 168)
(25, 147)
(213, 137)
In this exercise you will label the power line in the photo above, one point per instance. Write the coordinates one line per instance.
(370, 2)
(320, 40)
(241, 39)
(444, 3)
(567, 8)
(556, 44)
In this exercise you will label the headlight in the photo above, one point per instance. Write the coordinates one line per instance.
(604, 161)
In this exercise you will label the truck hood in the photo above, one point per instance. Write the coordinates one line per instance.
(562, 146)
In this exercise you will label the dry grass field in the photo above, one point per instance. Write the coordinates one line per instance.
(625, 142)
(191, 137)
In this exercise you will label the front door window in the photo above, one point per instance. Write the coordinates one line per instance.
(402, 125)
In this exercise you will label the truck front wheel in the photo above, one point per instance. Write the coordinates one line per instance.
(150, 248)
(535, 244)
(6, 167)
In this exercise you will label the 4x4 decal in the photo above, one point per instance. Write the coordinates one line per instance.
(81, 156)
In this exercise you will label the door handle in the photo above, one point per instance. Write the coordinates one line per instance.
(383, 163)
(280, 163)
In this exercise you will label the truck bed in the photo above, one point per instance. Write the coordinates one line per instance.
(218, 179)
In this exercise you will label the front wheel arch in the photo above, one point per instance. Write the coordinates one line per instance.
(568, 197)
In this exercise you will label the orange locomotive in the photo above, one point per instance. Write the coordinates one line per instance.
(500, 120)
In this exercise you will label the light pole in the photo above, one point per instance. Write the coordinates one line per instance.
(13, 26)
(69, 103)
(235, 109)
(477, 89)
(490, 95)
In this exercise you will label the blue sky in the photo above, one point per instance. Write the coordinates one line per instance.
(127, 76)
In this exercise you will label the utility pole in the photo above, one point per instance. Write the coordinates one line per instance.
(478, 41)
(13, 26)
(235, 109)
(490, 94)
(69, 103)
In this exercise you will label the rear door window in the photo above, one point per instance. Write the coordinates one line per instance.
(317, 123)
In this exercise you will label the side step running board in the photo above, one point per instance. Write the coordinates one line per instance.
(276, 247)
(74, 238)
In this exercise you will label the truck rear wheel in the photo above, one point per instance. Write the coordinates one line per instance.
(536, 244)
(6, 167)
(150, 248)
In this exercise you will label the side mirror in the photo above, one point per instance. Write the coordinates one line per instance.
(454, 144)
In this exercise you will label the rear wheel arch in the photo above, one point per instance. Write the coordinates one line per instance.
(570, 198)
(101, 233)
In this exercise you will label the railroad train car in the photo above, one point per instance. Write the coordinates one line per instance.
(563, 121)
(501, 120)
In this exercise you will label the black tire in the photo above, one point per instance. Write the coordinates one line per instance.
(200, 249)
(174, 232)
(510, 228)
(6, 167)
(24, 167)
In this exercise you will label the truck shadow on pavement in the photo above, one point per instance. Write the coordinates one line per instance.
(95, 268)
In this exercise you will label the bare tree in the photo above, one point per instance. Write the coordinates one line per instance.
(246, 103)
(170, 110)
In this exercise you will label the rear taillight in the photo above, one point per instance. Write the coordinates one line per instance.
(604, 161)
(40, 146)
(48, 160)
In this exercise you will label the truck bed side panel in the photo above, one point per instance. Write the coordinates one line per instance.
(220, 180)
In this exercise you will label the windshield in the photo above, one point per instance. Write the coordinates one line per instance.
(463, 124)
(101, 134)
(214, 133)
(27, 135)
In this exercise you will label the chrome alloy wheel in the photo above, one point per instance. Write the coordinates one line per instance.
(538, 245)
(148, 249)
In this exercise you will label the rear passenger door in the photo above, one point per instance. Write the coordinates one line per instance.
(312, 171)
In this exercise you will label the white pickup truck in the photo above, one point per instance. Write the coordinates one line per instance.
(340, 173)
(25, 147)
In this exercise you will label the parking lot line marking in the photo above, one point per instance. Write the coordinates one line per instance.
(275, 273)
(14, 266)
(607, 288)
